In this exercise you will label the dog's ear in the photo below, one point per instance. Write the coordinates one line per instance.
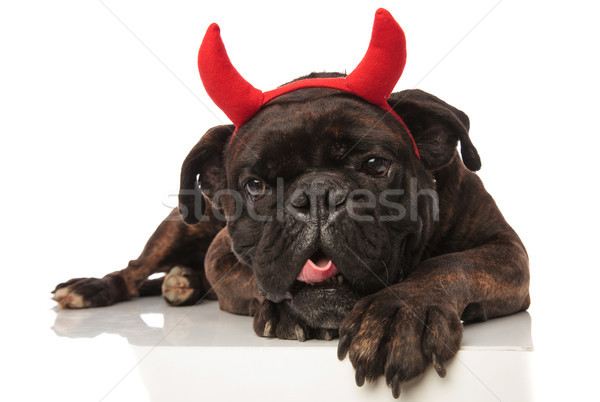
(203, 173)
(436, 127)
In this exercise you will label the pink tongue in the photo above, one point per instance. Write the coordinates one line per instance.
(315, 272)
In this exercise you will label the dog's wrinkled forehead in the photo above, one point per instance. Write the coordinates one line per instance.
(313, 128)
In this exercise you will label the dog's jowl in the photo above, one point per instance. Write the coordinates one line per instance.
(333, 207)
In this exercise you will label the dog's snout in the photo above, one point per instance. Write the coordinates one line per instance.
(333, 197)
(299, 199)
(318, 197)
(337, 197)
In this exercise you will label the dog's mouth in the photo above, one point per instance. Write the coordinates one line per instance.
(321, 295)
(319, 269)
(318, 274)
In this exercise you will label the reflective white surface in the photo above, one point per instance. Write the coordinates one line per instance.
(150, 321)
(146, 350)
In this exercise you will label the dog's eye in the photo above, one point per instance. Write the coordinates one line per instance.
(255, 189)
(376, 167)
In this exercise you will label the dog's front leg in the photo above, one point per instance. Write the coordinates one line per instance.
(173, 244)
(400, 330)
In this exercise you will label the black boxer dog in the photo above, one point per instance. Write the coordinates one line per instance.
(319, 217)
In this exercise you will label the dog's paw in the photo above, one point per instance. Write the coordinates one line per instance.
(182, 286)
(274, 320)
(91, 292)
(399, 334)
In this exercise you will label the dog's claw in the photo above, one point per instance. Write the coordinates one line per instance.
(359, 377)
(343, 346)
(268, 331)
(438, 365)
(300, 333)
(396, 386)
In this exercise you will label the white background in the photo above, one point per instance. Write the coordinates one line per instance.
(100, 103)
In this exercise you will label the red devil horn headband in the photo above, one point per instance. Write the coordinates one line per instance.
(373, 79)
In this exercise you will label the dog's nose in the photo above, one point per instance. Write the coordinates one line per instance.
(319, 196)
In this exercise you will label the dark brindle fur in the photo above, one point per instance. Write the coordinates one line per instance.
(407, 283)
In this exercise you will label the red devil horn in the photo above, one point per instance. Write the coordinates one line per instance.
(235, 96)
(373, 79)
(380, 69)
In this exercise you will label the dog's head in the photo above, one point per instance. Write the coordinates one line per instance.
(323, 191)
(320, 175)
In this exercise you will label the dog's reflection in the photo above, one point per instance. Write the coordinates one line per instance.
(149, 321)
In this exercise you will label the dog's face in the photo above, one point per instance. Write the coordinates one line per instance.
(321, 176)
(316, 165)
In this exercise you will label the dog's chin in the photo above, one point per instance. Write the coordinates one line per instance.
(323, 304)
